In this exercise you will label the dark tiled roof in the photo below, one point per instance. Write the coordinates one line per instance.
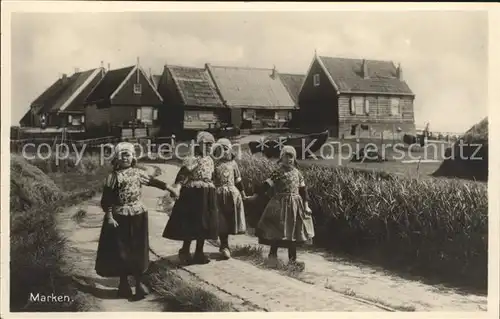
(77, 80)
(293, 83)
(26, 119)
(251, 87)
(108, 84)
(59, 92)
(348, 76)
(195, 86)
(155, 79)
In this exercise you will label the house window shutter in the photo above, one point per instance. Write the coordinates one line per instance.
(353, 108)
(395, 104)
(155, 114)
(316, 80)
(367, 106)
(83, 118)
(70, 118)
(137, 88)
(138, 113)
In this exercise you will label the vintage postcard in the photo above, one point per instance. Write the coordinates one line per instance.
(243, 157)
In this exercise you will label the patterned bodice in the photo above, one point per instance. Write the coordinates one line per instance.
(287, 182)
(129, 182)
(226, 174)
(201, 168)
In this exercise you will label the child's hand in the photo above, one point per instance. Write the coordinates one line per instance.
(308, 209)
(252, 197)
(112, 222)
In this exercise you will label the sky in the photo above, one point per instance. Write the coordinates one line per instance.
(444, 54)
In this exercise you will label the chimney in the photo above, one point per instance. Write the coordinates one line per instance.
(102, 64)
(365, 69)
(399, 72)
(77, 70)
(109, 66)
(274, 72)
(64, 77)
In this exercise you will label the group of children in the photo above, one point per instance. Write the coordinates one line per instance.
(209, 205)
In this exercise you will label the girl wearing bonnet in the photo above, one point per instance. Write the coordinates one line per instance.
(123, 248)
(194, 215)
(230, 193)
(287, 219)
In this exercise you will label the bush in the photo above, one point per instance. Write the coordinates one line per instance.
(37, 247)
(435, 227)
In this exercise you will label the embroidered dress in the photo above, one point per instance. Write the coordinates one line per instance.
(284, 219)
(124, 250)
(194, 215)
(229, 201)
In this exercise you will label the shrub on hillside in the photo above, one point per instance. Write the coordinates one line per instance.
(435, 226)
(29, 186)
(37, 248)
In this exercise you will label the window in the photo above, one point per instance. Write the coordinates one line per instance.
(357, 105)
(137, 88)
(395, 106)
(155, 114)
(249, 114)
(138, 114)
(367, 106)
(316, 80)
(83, 118)
(70, 118)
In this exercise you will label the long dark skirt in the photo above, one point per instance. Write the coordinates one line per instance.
(123, 250)
(194, 215)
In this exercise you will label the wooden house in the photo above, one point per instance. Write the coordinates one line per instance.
(191, 100)
(124, 98)
(62, 105)
(356, 98)
(256, 97)
(293, 83)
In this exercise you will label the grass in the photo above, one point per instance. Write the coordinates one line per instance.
(178, 296)
(428, 227)
(37, 247)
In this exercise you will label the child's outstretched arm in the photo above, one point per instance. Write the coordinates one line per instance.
(263, 188)
(303, 192)
(238, 180)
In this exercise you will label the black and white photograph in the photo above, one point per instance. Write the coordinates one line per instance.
(248, 158)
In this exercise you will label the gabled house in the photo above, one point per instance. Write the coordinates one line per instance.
(355, 98)
(124, 98)
(293, 83)
(191, 100)
(63, 103)
(256, 97)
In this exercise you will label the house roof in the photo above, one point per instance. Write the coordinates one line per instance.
(26, 117)
(195, 86)
(292, 82)
(64, 92)
(250, 87)
(347, 75)
(109, 83)
(155, 79)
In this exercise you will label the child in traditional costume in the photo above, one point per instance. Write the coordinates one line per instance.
(123, 248)
(194, 215)
(230, 193)
(287, 219)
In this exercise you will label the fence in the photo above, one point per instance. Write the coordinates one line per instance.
(86, 146)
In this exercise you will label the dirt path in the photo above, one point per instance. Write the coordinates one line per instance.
(324, 286)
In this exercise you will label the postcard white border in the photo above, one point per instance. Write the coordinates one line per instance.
(9, 7)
